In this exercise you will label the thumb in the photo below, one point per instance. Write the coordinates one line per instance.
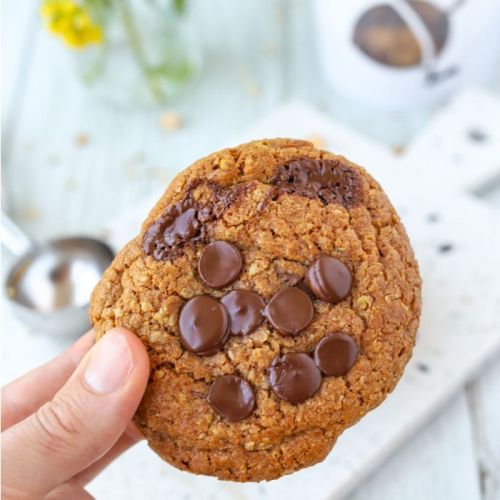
(82, 422)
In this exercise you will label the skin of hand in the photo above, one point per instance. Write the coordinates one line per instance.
(65, 421)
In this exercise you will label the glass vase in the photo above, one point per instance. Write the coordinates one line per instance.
(149, 53)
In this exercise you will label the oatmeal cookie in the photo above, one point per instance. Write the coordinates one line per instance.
(278, 297)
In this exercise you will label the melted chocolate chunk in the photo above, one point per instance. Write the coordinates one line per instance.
(204, 325)
(232, 398)
(335, 354)
(186, 222)
(226, 196)
(179, 224)
(328, 180)
(294, 377)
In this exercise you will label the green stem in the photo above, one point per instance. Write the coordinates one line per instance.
(136, 46)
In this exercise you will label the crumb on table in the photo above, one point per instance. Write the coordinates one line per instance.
(171, 120)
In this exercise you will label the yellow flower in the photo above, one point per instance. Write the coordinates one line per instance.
(72, 22)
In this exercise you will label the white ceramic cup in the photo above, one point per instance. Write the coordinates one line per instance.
(405, 54)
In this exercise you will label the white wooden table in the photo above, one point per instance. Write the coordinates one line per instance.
(258, 53)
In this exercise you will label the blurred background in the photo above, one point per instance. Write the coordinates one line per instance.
(103, 142)
(104, 100)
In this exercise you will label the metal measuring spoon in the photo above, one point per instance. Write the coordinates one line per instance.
(49, 285)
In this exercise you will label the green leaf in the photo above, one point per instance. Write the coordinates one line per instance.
(180, 6)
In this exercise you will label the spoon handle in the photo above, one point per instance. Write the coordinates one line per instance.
(13, 238)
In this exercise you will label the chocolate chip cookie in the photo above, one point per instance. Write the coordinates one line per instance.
(278, 297)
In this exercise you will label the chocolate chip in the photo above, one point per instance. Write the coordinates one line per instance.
(329, 279)
(423, 367)
(433, 218)
(290, 311)
(220, 264)
(445, 248)
(246, 309)
(204, 325)
(294, 377)
(328, 180)
(335, 354)
(232, 398)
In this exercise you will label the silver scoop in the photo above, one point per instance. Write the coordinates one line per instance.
(49, 285)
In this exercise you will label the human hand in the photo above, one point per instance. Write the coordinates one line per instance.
(65, 421)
